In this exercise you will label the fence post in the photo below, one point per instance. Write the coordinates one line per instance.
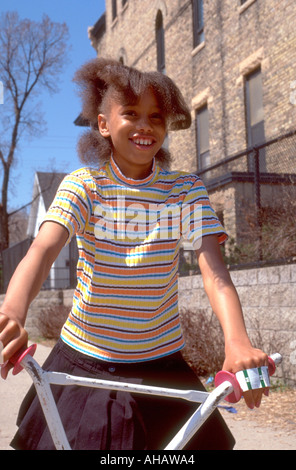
(256, 155)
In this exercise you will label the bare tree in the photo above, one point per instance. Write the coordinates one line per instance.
(32, 55)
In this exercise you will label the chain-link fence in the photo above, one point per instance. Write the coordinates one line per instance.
(60, 277)
(262, 229)
(263, 184)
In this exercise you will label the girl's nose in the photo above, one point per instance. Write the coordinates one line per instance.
(144, 124)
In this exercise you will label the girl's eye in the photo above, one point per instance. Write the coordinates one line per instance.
(130, 112)
(157, 117)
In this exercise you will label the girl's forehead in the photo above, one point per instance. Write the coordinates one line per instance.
(147, 96)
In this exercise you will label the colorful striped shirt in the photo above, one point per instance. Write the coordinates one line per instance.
(125, 306)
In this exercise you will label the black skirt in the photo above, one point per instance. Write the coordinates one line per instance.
(98, 419)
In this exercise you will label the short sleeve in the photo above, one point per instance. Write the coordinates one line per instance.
(198, 216)
(71, 206)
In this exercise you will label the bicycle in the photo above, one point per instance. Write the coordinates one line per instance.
(227, 387)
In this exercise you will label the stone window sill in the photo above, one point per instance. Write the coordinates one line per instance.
(198, 48)
(245, 6)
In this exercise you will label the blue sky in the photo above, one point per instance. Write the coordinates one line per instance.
(56, 149)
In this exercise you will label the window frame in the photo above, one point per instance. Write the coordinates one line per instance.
(198, 22)
(114, 10)
(203, 158)
(258, 128)
(160, 42)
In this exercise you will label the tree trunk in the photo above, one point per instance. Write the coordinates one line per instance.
(4, 233)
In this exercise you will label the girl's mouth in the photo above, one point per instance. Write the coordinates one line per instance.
(143, 141)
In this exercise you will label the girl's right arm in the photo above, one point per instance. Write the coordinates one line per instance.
(25, 284)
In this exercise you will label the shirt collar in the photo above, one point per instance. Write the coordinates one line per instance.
(122, 179)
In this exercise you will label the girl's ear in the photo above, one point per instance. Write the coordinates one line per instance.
(103, 125)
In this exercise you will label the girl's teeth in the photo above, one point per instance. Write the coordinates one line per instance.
(143, 142)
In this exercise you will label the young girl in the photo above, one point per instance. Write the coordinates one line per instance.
(124, 322)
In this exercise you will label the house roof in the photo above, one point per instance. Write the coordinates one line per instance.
(48, 185)
(45, 187)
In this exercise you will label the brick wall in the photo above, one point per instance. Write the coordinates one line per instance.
(268, 298)
(238, 39)
(45, 299)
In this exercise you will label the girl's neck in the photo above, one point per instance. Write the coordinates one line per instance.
(135, 172)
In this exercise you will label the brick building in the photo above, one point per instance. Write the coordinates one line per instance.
(234, 61)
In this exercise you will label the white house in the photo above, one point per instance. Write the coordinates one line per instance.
(63, 272)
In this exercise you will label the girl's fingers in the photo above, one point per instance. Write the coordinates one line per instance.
(5, 368)
(1, 355)
(253, 398)
(13, 337)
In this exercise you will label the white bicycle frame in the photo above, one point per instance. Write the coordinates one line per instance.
(43, 379)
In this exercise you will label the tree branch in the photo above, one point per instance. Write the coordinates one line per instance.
(31, 55)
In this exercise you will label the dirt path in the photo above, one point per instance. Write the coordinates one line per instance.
(271, 427)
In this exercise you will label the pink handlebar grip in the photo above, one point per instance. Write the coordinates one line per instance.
(271, 366)
(224, 376)
(236, 395)
(17, 358)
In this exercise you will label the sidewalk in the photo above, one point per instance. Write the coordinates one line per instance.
(249, 434)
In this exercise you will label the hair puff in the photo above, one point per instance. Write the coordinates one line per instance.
(100, 79)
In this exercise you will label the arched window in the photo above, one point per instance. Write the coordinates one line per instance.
(160, 43)
(114, 9)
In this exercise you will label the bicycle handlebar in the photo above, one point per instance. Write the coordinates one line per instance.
(220, 377)
(236, 395)
(17, 358)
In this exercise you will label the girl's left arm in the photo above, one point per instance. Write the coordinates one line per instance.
(224, 300)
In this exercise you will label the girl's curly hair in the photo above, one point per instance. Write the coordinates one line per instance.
(101, 80)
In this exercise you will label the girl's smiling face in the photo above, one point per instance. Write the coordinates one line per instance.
(137, 132)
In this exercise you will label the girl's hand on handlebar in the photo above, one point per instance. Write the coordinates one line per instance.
(241, 357)
(13, 337)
